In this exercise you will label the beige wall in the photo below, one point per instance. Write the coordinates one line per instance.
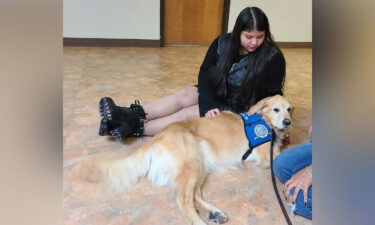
(290, 20)
(124, 19)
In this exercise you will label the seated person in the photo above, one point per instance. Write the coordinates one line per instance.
(294, 168)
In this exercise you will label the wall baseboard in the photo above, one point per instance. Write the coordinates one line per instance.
(294, 44)
(107, 42)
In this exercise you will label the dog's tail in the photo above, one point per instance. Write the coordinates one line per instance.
(116, 174)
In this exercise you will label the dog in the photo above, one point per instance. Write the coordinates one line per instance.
(183, 153)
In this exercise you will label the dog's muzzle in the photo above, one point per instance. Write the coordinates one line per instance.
(287, 122)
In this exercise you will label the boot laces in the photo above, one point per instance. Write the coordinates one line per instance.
(137, 107)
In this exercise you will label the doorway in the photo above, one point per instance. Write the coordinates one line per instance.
(193, 22)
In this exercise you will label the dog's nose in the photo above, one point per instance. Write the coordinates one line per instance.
(287, 122)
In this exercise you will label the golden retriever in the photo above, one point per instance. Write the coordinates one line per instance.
(183, 153)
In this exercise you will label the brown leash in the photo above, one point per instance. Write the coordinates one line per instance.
(274, 181)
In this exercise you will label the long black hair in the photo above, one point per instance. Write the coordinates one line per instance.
(254, 85)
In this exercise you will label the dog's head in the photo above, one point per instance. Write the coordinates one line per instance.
(276, 110)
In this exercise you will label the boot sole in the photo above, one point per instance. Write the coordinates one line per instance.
(104, 108)
(121, 132)
(104, 128)
(106, 115)
(110, 128)
(116, 134)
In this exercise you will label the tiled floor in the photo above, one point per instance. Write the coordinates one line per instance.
(245, 194)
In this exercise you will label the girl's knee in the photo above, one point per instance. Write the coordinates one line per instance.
(188, 96)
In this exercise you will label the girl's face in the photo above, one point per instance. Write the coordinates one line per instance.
(251, 40)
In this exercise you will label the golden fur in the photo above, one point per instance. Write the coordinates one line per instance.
(184, 153)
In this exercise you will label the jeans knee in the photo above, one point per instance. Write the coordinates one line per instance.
(280, 169)
(276, 166)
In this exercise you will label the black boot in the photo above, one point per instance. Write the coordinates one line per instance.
(130, 128)
(121, 122)
(107, 123)
(106, 126)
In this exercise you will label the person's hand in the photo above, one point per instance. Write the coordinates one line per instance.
(301, 181)
(212, 113)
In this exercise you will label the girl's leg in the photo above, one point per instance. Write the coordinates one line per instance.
(122, 122)
(154, 126)
(171, 104)
(182, 105)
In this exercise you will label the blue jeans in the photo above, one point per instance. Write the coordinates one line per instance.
(286, 165)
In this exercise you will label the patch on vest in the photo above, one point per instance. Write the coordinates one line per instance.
(256, 129)
(260, 131)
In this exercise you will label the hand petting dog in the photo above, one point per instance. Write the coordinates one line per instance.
(300, 181)
(212, 113)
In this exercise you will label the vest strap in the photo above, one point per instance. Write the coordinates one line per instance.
(247, 153)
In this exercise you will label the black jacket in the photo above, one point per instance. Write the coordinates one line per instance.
(274, 71)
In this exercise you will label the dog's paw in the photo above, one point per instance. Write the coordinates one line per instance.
(217, 217)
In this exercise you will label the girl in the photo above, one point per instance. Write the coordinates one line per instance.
(239, 69)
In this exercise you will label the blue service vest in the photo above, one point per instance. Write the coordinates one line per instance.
(257, 131)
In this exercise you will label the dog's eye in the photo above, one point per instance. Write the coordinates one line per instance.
(289, 109)
(276, 109)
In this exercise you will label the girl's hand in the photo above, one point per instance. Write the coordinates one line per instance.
(301, 181)
(212, 113)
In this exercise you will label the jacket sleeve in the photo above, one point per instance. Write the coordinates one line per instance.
(276, 75)
(207, 99)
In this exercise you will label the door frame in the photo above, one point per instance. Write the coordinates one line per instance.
(224, 23)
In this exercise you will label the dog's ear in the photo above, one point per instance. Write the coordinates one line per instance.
(260, 107)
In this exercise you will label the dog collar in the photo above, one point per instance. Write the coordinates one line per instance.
(257, 131)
